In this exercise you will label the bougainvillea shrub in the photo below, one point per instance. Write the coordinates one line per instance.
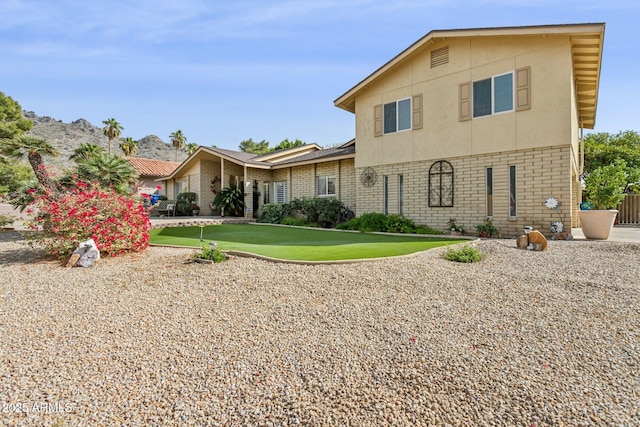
(117, 223)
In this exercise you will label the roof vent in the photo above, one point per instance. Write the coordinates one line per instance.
(440, 56)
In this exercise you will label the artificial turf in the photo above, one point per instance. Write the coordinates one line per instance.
(299, 244)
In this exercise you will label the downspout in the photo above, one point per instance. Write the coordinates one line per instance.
(581, 137)
(247, 194)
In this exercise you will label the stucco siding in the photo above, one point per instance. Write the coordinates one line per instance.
(547, 123)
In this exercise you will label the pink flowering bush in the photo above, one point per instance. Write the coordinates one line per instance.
(117, 223)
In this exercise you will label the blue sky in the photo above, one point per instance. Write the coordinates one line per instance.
(225, 71)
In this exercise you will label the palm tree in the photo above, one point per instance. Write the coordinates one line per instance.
(129, 146)
(108, 170)
(178, 140)
(191, 148)
(86, 150)
(111, 130)
(34, 148)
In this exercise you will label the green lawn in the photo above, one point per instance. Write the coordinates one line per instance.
(298, 244)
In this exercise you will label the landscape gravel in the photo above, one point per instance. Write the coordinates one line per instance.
(521, 338)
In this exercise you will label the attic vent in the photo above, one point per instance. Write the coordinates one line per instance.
(440, 56)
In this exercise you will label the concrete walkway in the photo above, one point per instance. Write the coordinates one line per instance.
(620, 233)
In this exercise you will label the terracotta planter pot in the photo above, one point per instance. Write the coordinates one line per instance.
(597, 224)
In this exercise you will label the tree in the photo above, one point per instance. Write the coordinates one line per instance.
(285, 144)
(178, 140)
(14, 175)
(86, 150)
(249, 146)
(603, 149)
(34, 148)
(12, 123)
(129, 146)
(111, 130)
(604, 186)
(191, 148)
(108, 170)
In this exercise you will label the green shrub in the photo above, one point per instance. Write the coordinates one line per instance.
(487, 229)
(230, 200)
(6, 220)
(399, 224)
(604, 186)
(299, 222)
(184, 202)
(322, 211)
(272, 213)
(370, 222)
(466, 253)
(215, 255)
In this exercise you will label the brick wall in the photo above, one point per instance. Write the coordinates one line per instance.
(541, 173)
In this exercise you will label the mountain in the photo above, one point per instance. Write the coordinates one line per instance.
(66, 137)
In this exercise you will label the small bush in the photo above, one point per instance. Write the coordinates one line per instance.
(215, 255)
(487, 229)
(299, 222)
(6, 220)
(371, 222)
(399, 224)
(184, 203)
(272, 213)
(466, 253)
(321, 212)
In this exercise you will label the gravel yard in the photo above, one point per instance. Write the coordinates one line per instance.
(520, 339)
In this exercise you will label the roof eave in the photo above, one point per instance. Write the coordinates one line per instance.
(347, 100)
(313, 161)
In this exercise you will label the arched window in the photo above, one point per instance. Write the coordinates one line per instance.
(441, 184)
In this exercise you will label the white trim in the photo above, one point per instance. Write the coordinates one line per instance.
(326, 184)
(397, 101)
(493, 95)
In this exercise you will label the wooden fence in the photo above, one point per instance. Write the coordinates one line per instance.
(629, 210)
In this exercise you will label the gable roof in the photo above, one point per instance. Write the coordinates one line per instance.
(151, 167)
(346, 150)
(586, 48)
(308, 153)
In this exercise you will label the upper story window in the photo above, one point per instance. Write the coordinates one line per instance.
(493, 95)
(397, 116)
(497, 94)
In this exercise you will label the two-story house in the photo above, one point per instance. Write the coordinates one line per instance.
(478, 123)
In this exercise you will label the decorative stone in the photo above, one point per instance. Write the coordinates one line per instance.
(73, 260)
(538, 240)
(87, 254)
(522, 242)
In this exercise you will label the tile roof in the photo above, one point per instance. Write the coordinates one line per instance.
(150, 167)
